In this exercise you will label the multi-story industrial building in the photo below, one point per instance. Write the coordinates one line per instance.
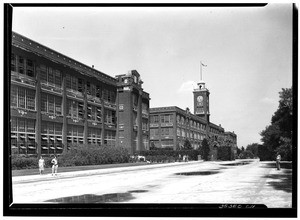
(171, 126)
(58, 103)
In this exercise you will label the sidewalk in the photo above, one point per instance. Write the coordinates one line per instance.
(100, 171)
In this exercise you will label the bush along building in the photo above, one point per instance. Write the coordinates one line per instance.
(171, 126)
(58, 103)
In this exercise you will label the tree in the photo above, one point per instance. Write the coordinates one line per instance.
(205, 149)
(246, 155)
(187, 145)
(238, 150)
(277, 137)
(253, 148)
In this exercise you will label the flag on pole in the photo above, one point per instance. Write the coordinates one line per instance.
(202, 64)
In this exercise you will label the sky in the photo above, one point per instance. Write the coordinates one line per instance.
(248, 53)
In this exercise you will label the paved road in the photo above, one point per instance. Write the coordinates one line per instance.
(192, 182)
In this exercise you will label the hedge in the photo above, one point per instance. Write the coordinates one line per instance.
(77, 156)
(166, 155)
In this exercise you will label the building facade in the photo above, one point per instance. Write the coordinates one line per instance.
(171, 126)
(132, 112)
(58, 103)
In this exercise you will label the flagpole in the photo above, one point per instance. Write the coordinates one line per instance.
(200, 71)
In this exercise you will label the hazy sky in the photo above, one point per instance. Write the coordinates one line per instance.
(248, 53)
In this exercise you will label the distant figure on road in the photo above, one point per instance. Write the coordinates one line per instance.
(54, 165)
(41, 165)
(278, 159)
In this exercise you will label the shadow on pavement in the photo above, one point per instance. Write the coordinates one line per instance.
(282, 181)
(283, 165)
(92, 198)
(198, 173)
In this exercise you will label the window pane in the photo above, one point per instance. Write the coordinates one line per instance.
(13, 126)
(58, 78)
(30, 99)
(50, 75)
(58, 103)
(13, 62)
(21, 125)
(29, 68)
(58, 129)
(68, 81)
(50, 127)
(14, 96)
(30, 126)
(44, 102)
(21, 97)
(43, 73)
(50, 104)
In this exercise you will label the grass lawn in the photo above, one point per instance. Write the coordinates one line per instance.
(75, 168)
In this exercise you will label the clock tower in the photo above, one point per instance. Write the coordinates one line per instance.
(201, 101)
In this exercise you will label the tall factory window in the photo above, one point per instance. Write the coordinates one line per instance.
(80, 85)
(110, 137)
(74, 83)
(98, 91)
(51, 104)
(13, 125)
(21, 97)
(58, 80)
(30, 99)
(144, 108)
(50, 76)
(68, 81)
(58, 104)
(134, 99)
(154, 119)
(21, 65)
(13, 62)
(166, 118)
(43, 73)
(44, 103)
(110, 116)
(21, 125)
(29, 68)
(14, 96)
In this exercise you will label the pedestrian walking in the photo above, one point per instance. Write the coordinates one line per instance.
(54, 166)
(278, 159)
(41, 165)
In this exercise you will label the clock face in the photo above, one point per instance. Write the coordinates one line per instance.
(200, 98)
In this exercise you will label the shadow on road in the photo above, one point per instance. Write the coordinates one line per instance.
(92, 198)
(282, 181)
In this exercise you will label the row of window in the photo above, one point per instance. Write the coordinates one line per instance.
(22, 65)
(155, 119)
(163, 132)
(182, 121)
(52, 76)
(22, 125)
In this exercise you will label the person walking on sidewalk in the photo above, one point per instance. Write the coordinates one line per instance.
(54, 166)
(278, 159)
(41, 165)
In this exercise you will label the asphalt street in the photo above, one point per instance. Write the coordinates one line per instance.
(238, 182)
